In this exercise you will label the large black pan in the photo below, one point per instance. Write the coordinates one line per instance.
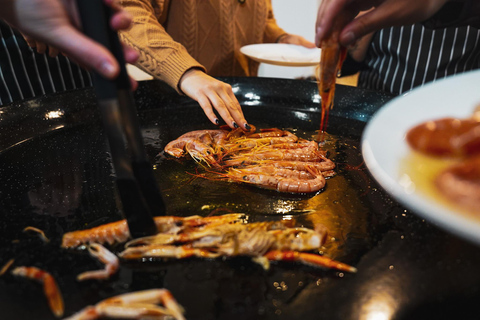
(56, 175)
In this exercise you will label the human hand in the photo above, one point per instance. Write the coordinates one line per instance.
(41, 47)
(212, 93)
(54, 22)
(386, 13)
(296, 39)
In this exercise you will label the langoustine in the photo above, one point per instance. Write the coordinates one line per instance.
(280, 179)
(262, 241)
(117, 232)
(271, 158)
(225, 235)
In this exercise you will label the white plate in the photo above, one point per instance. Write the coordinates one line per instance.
(384, 146)
(137, 74)
(282, 54)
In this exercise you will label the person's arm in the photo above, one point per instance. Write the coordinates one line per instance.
(170, 62)
(386, 13)
(273, 33)
(51, 22)
(456, 13)
(160, 55)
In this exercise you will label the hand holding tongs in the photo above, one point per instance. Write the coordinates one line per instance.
(136, 184)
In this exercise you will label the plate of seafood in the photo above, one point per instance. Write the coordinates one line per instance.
(282, 54)
(424, 149)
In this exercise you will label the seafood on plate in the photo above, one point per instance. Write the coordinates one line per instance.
(134, 305)
(225, 236)
(446, 137)
(460, 183)
(50, 287)
(454, 140)
(272, 158)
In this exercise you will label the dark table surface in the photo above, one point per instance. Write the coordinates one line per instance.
(56, 175)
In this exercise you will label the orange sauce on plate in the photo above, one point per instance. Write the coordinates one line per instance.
(422, 170)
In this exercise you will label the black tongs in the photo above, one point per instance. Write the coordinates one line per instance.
(137, 188)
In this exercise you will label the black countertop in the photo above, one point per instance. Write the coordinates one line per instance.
(56, 175)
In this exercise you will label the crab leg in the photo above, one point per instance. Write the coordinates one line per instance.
(309, 259)
(6, 266)
(39, 231)
(50, 287)
(109, 259)
(166, 251)
(135, 305)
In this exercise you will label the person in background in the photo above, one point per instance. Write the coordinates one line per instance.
(26, 73)
(398, 59)
(395, 59)
(187, 43)
(387, 13)
(49, 26)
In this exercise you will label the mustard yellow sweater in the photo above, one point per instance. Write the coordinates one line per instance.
(205, 34)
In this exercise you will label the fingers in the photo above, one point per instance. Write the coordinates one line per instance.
(131, 55)
(133, 84)
(214, 95)
(328, 10)
(305, 43)
(228, 107)
(386, 13)
(85, 51)
(334, 15)
(31, 43)
(121, 20)
(206, 105)
(362, 26)
(41, 47)
(297, 40)
(113, 4)
(53, 52)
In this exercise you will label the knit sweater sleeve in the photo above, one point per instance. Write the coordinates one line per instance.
(160, 55)
(272, 30)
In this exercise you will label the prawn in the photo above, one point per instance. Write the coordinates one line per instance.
(202, 145)
(447, 137)
(302, 154)
(331, 60)
(262, 241)
(280, 179)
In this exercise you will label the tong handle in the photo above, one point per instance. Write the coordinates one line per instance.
(95, 17)
(115, 99)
